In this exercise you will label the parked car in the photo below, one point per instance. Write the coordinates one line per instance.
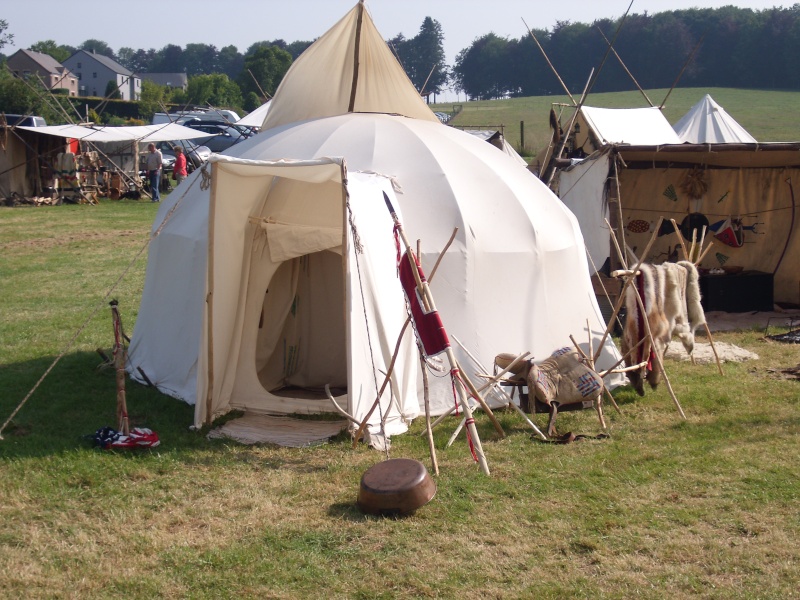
(221, 135)
(195, 155)
(26, 120)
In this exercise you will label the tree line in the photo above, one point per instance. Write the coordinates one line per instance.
(729, 47)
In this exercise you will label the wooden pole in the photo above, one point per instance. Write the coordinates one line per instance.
(462, 396)
(428, 428)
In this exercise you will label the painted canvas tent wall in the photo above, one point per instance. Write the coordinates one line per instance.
(27, 162)
(746, 181)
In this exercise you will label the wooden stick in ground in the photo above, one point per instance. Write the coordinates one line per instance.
(680, 239)
(476, 446)
(360, 430)
(477, 395)
(119, 364)
(703, 255)
(428, 428)
(713, 349)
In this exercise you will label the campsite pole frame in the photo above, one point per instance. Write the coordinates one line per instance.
(425, 293)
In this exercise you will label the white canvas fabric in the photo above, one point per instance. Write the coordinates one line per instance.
(324, 80)
(164, 132)
(633, 126)
(272, 321)
(515, 278)
(708, 123)
(582, 189)
(256, 117)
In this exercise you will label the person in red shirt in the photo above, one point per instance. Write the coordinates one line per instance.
(179, 169)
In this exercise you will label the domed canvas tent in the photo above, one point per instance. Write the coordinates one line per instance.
(515, 278)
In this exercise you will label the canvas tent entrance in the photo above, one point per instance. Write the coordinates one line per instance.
(291, 271)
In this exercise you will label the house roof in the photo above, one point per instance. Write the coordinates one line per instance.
(175, 80)
(45, 61)
(107, 62)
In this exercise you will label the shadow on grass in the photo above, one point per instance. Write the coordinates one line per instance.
(75, 400)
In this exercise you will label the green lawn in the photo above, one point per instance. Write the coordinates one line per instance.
(706, 507)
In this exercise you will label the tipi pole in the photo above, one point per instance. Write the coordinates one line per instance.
(119, 365)
(702, 253)
(428, 428)
(425, 293)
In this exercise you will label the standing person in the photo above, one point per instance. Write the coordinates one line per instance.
(154, 163)
(179, 169)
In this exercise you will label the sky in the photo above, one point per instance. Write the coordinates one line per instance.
(243, 22)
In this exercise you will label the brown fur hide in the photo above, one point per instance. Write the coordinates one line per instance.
(671, 297)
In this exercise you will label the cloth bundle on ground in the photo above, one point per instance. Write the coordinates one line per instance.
(564, 378)
(670, 294)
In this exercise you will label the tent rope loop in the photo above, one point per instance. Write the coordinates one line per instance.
(206, 182)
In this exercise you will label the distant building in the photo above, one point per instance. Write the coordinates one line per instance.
(54, 75)
(94, 71)
(172, 80)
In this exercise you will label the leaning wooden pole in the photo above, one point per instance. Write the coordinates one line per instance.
(424, 292)
(119, 365)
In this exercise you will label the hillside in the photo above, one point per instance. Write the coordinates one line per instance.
(767, 115)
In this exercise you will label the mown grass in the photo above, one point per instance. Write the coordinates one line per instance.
(663, 508)
(770, 116)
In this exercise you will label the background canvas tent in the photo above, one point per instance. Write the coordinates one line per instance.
(708, 123)
(749, 182)
(28, 155)
(514, 279)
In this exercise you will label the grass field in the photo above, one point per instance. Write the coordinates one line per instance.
(706, 507)
(768, 116)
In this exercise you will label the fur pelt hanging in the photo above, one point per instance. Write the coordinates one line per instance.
(671, 297)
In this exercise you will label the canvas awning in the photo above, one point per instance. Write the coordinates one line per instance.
(165, 132)
(635, 126)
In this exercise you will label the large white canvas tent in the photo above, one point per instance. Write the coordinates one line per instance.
(209, 329)
(708, 123)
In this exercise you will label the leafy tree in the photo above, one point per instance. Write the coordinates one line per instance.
(112, 91)
(199, 59)
(28, 98)
(49, 47)
(229, 61)
(215, 89)
(151, 100)
(478, 69)
(5, 38)
(136, 61)
(252, 101)
(422, 57)
(267, 65)
(98, 47)
(168, 60)
(297, 48)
